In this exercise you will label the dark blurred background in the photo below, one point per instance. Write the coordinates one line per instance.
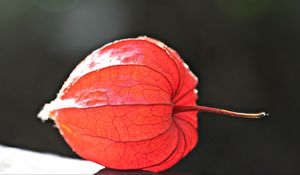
(245, 53)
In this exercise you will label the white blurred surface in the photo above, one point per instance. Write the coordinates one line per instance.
(18, 161)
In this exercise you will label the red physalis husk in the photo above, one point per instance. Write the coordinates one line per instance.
(130, 105)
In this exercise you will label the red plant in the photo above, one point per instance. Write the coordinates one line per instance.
(131, 105)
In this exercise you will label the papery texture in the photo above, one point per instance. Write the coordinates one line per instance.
(116, 108)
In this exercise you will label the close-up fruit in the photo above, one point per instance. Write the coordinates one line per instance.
(131, 105)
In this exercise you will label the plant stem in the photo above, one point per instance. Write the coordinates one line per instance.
(178, 109)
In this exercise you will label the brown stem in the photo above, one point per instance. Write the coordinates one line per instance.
(178, 109)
